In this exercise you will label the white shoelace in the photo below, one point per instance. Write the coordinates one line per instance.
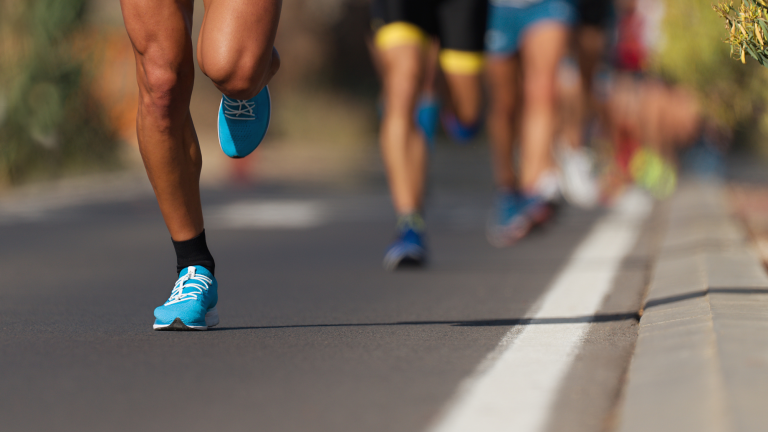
(237, 109)
(199, 283)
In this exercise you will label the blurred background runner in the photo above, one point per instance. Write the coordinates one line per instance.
(404, 34)
(588, 114)
(629, 115)
(526, 41)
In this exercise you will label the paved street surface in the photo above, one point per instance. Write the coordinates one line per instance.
(314, 334)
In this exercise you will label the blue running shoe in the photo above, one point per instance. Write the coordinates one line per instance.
(192, 304)
(243, 123)
(456, 130)
(514, 215)
(427, 115)
(408, 249)
(538, 209)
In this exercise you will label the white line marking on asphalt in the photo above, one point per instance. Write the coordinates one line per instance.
(264, 214)
(515, 387)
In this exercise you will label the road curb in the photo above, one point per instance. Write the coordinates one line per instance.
(701, 360)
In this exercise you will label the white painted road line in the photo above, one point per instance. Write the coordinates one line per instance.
(515, 387)
(269, 214)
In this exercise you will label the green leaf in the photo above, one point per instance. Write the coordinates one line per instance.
(752, 52)
(764, 27)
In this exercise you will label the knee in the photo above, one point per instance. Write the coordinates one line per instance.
(540, 93)
(403, 76)
(242, 77)
(165, 88)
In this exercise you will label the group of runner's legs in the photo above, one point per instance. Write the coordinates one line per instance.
(435, 58)
(515, 48)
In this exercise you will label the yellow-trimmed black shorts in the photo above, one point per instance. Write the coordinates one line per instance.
(459, 25)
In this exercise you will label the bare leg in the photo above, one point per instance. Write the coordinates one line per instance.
(402, 145)
(501, 73)
(542, 50)
(160, 33)
(590, 46)
(466, 97)
(571, 111)
(431, 69)
(236, 45)
(577, 102)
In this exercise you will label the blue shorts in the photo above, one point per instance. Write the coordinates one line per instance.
(508, 20)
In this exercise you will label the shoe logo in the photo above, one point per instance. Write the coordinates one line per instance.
(237, 109)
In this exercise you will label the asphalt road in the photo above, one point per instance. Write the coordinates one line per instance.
(314, 334)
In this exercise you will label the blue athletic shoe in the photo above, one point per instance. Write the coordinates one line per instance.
(408, 249)
(427, 115)
(192, 304)
(459, 132)
(514, 215)
(243, 123)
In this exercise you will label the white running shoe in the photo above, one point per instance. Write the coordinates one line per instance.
(577, 180)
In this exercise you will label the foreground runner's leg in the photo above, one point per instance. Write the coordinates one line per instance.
(161, 36)
(235, 49)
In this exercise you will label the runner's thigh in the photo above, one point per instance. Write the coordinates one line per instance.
(237, 35)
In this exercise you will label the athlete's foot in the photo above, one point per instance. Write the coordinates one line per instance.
(408, 249)
(514, 215)
(243, 124)
(577, 180)
(192, 304)
(458, 131)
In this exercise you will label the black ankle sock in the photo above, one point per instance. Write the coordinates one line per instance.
(193, 252)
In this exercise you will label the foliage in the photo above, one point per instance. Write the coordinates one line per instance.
(50, 123)
(733, 96)
(748, 29)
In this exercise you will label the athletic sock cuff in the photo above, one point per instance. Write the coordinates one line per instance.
(412, 221)
(193, 252)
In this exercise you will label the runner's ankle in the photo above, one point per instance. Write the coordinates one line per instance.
(193, 252)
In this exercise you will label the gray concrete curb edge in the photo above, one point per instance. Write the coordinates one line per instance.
(701, 360)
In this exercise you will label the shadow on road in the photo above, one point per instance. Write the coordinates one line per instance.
(696, 294)
(478, 323)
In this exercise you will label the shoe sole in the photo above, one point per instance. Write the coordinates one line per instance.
(269, 122)
(211, 320)
(407, 261)
(506, 236)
